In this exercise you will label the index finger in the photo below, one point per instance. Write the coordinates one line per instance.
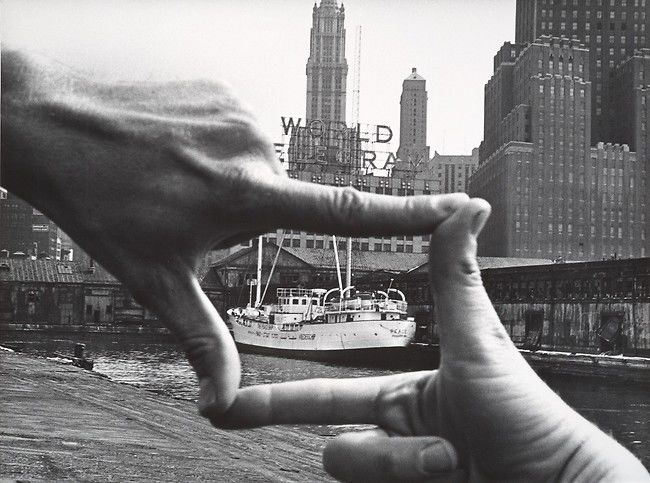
(312, 401)
(347, 211)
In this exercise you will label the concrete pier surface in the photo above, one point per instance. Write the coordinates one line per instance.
(61, 422)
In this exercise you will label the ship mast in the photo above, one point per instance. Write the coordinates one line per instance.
(356, 94)
(338, 265)
(348, 267)
(258, 288)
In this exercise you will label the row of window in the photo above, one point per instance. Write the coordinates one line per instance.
(561, 90)
(599, 14)
(599, 26)
(400, 247)
(598, 3)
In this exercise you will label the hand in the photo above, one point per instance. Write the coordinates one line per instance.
(483, 415)
(148, 177)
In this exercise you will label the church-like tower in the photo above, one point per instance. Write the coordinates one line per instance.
(327, 68)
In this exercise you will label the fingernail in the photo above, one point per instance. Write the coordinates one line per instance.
(479, 221)
(207, 394)
(437, 458)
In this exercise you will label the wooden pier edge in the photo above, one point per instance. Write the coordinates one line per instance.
(61, 422)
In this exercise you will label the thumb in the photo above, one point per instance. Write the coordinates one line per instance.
(174, 293)
(467, 322)
(375, 456)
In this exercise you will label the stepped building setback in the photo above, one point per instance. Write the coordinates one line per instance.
(612, 31)
(564, 158)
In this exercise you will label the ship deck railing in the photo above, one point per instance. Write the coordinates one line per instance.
(370, 305)
(295, 292)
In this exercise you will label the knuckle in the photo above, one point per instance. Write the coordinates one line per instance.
(394, 408)
(468, 266)
(348, 205)
(411, 205)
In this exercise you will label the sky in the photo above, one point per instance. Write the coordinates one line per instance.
(260, 48)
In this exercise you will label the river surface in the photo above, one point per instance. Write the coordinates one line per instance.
(621, 410)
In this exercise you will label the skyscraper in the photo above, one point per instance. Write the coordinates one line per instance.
(327, 68)
(616, 34)
(413, 119)
(612, 30)
(556, 189)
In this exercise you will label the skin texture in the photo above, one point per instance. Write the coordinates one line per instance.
(148, 177)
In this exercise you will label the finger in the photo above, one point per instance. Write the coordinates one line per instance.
(467, 322)
(314, 401)
(498, 395)
(473, 342)
(375, 456)
(347, 211)
(174, 293)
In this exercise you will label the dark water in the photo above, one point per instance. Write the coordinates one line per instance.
(622, 411)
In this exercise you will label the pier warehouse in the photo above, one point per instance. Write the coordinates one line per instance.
(54, 295)
(590, 307)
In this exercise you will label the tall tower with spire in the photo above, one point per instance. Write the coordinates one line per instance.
(327, 68)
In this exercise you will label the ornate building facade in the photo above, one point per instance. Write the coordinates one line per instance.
(327, 68)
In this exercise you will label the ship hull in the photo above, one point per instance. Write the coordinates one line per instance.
(353, 341)
(381, 356)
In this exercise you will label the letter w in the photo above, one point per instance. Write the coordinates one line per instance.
(289, 126)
